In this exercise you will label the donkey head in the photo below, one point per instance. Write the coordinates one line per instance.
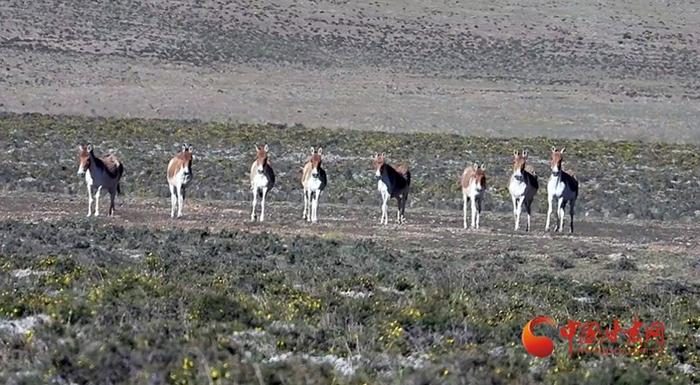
(378, 163)
(261, 158)
(557, 158)
(315, 161)
(84, 158)
(479, 176)
(519, 159)
(186, 156)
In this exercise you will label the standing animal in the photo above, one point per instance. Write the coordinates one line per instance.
(523, 188)
(100, 172)
(262, 179)
(179, 175)
(392, 183)
(561, 187)
(314, 180)
(473, 183)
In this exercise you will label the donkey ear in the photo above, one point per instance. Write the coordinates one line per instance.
(515, 153)
(89, 147)
(267, 148)
(554, 149)
(475, 165)
(313, 150)
(256, 148)
(525, 153)
(482, 166)
(562, 150)
(190, 148)
(320, 151)
(80, 147)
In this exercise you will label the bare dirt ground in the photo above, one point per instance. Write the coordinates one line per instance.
(432, 231)
(556, 69)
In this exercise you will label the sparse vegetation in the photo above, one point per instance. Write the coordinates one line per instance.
(106, 301)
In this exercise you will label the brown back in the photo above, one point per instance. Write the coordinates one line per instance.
(473, 174)
(183, 158)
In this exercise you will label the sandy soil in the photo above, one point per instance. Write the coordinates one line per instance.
(558, 69)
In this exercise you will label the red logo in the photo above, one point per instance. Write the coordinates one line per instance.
(537, 346)
(590, 338)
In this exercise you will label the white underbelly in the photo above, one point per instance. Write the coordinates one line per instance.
(517, 188)
(473, 191)
(180, 179)
(260, 181)
(313, 184)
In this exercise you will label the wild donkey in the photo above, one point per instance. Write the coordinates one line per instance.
(314, 180)
(523, 187)
(262, 179)
(563, 187)
(473, 185)
(392, 183)
(104, 171)
(179, 175)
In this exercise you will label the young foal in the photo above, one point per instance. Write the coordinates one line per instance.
(179, 175)
(100, 172)
(563, 187)
(262, 179)
(314, 180)
(392, 183)
(473, 185)
(523, 187)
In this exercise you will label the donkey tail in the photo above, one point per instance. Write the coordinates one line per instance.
(407, 175)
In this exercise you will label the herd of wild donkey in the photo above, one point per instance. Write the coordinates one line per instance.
(393, 182)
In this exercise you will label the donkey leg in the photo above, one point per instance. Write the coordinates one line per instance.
(173, 201)
(112, 194)
(571, 213)
(515, 211)
(262, 204)
(474, 214)
(403, 208)
(528, 209)
(255, 203)
(464, 209)
(89, 188)
(304, 215)
(521, 202)
(560, 214)
(549, 211)
(478, 212)
(97, 200)
(398, 209)
(180, 201)
(385, 208)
